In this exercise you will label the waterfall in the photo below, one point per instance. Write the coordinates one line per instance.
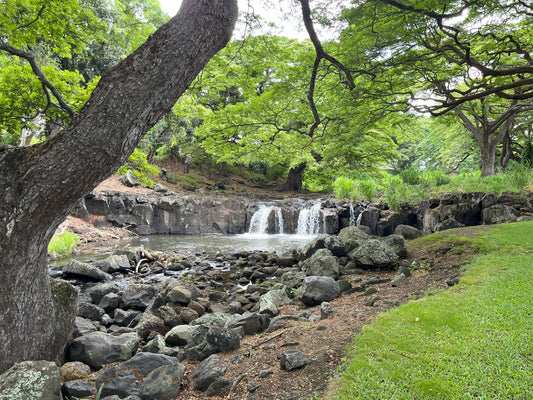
(309, 220)
(353, 220)
(359, 218)
(259, 224)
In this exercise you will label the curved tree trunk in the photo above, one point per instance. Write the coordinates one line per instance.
(40, 184)
(295, 178)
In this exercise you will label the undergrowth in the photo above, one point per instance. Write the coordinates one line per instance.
(473, 341)
(63, 245)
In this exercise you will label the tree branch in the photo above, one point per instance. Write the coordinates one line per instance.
(47, 85)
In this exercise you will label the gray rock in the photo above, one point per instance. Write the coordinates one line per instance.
(188, 315)
(138, 296)
(109, 302)
(293, 279)
(404, 269)
(31, 380)
(264, 373)
(397, 244)
(78, 389)
(97, 349)
(334, 244)
(449, 223)
(207, 372)
(352, 237)
(408, 232)
(99, 291)
(398, 280)
(317, 289)
(163, 383)
(292, 359)
(213, 319)
(252, 323)
(180, 335)
(374, 253)
(115, 263)
(179, 295)
(169, 316)
(499, 214)
(149, 323)
(90, 311)
(270, 301)
(84, 271)
(321, 263)
(326, 309)
(208, 340)
(371, 300)
(125, 318)
(160, 188)
(216, 388)
(82, 327)
(125, 379)
(129, 179)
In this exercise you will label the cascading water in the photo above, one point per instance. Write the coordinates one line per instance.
(309, 221)
(259, 224)
(353, 218)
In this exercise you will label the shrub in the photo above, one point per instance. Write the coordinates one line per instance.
(344, 188)
(140, 167)
(63, 244)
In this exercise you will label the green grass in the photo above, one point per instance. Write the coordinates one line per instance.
(63, 245)
(474, 341)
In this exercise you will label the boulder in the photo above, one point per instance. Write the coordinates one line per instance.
(179, 295)
(252, 323)
(82, 327)
(322, 263)
(270, 301)
(169, 316)
(163, 383)
(498, 214)
(31, 380)
(126, 318)
(77, 389)
(388, 222)
(125, 378)
(408, 232)
(96, 293)
(207, 340)
(97, 349)
(115, 263)
(449, 223)
(90, 311)
(214, 319)
(85, 272)
(130, 180)
(138, 296)
(397, 245)
(332, 243)
(109, 302)
(317, 289)
(374, 254)
(149, 323)
(292, 359)
(180, 335)
(352, 236)
(207, 372)
(74, 370)
(293, 279)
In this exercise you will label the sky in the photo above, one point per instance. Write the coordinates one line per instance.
(270, 11)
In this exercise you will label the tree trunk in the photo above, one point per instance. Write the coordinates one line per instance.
(488, 160)
(507, 152)
(295, 178)
(40, 184)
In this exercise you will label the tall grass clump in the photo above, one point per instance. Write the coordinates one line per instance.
(63, 244)
(344, 188)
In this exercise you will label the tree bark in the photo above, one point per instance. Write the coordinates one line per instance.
(295, 178)
(40, 184)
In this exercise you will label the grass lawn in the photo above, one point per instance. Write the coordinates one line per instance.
(474, 341)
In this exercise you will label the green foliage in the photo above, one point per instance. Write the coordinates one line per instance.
(456, 344)
(140, 167)
(63, 245)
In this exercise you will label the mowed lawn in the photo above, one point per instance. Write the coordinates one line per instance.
(474, 341)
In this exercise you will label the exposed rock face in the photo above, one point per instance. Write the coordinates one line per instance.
(31, 380)
(498, 214)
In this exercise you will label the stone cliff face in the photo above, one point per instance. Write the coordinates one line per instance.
(196, 215)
